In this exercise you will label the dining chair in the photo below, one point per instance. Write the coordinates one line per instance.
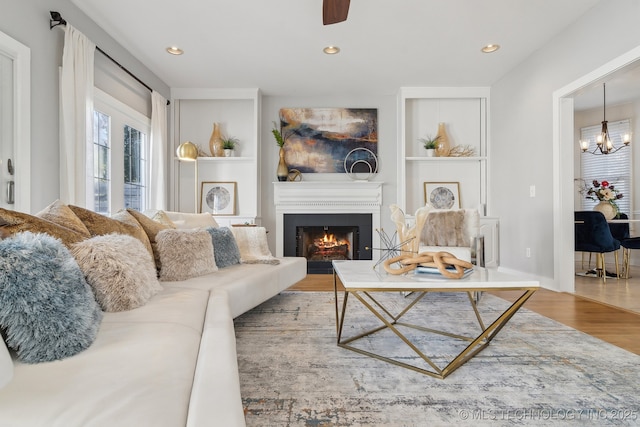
(628, 244)
(593, 234)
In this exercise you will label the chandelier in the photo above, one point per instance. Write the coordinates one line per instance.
(604, 144)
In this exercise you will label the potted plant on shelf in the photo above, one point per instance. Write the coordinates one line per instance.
(430, 144)
(229, 145)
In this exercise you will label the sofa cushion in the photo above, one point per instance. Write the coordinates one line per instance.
(252, 242)
(121, 223)
(15, 222)
(184, 220)
(225, 248)
(185, 253)
(59, 213)
(118, 269)
(46, 307)
(6, 364)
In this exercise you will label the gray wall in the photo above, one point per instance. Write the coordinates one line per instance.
(522, 125)
(28, 22)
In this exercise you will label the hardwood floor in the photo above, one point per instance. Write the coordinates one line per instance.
(618, 326)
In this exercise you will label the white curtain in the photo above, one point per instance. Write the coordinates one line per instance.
(76, 111)
(158, 153)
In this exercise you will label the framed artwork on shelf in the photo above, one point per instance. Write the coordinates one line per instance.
(442, 195)
(219, 198)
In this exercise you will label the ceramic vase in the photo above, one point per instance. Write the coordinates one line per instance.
(443, 148)
(216, 146)
(431, 152)
(608, 210)
(283, 170)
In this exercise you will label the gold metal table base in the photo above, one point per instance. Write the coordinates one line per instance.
(391, 321)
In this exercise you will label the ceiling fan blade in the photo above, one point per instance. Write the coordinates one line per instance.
(334, 11)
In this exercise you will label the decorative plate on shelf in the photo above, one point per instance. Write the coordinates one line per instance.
(442, 198)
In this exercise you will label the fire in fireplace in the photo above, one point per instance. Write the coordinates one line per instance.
(326, 243)
(322, 238)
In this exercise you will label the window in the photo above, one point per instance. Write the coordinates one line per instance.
(615, 167)
(120, 150)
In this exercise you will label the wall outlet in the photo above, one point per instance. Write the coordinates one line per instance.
(527, 252)
(532, 191)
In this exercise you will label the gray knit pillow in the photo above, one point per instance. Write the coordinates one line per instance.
(225, 248)
(119, 269)
(47, 308)
(184, 254)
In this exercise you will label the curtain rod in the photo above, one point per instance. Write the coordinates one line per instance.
(56, 19)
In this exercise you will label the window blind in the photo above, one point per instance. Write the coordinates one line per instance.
(614, 167)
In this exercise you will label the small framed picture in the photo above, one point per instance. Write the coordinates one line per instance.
(219, 198)
(442, 195)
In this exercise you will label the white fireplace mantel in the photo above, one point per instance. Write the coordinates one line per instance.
(326, 197)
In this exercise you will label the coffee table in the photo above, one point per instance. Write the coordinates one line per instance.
(363, 280)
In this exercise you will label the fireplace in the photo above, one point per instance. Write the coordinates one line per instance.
(322, 238)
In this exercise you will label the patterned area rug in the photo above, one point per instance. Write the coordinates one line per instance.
(535, 372)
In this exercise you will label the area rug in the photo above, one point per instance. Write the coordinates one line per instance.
(535, 372)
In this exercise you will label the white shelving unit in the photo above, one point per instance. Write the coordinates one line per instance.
(464, 110)
(238, 112)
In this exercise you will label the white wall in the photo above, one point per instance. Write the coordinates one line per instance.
(387, 151)
(522, 131)
(28, 22)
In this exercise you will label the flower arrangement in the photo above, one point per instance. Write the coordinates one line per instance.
(604, 192)
(429, 143)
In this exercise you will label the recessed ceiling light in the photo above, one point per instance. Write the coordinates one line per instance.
(174, 50)
(490, 48)
(331, 50)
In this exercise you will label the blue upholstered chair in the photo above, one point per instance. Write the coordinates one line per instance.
(627, 244)
(592, 234)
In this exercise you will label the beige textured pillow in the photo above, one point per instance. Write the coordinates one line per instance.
(119, 271)
(121, 223)
(16, 222)
(159, 216)
(59, 213)
(253, 246)
(184, 254)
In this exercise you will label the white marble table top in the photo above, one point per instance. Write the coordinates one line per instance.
(356, 275)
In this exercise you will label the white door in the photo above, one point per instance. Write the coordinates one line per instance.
(7, 171)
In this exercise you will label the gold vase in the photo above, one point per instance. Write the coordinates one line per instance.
(283, 170)
(443, 148)
(216, 146)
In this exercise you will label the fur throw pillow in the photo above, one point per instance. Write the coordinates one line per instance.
(184, 254)
(47, 308)
(446, 228)
(225, 248)
(119, 269)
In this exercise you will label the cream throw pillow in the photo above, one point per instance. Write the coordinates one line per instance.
(118, 269)
(252, 242)
(191, 220)
(184, 254)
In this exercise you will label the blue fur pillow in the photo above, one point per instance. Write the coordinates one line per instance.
(47, 309)
(225, 248)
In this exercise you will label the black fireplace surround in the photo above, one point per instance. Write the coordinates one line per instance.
(363, 222)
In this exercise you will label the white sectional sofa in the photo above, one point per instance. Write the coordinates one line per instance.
(171, 362)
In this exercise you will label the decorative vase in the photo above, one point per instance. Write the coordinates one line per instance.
(608, 210)
(283, 170)
(216, 146)
(443, 141)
